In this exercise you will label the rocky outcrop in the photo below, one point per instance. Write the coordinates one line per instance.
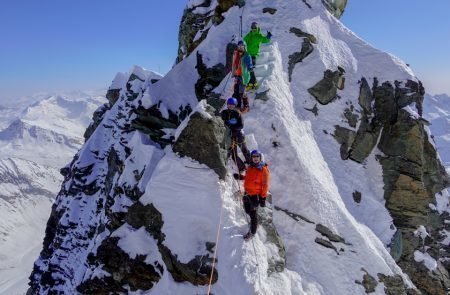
(113, 95)
(97, 118)
(306, 49)
(345, 137)
(196, 271)
(412, 173)
(277, 263)
(195, 26)
(204, 140)
(209, 79)
(297, 57)
(325, 90)
(151, 122)
(351, 117)
(394, 285)
(134, 272)
(369, 282)
(335, 7)
(269, 10)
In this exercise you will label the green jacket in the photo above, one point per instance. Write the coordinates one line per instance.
(253, 40)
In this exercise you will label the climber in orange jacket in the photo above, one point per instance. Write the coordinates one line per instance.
(256, 185)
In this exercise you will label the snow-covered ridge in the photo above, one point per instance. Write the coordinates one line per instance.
(134, 217)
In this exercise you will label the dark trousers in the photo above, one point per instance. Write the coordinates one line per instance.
(238, 140)
(238, 93)
(252, 73)
(251, 204)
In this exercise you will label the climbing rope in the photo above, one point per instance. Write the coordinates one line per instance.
(217, 246)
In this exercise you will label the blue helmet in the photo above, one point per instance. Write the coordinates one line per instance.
(241, 42)
(232, 101)
(256, 153)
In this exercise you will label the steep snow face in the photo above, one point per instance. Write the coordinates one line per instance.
(40, 140)
(27, 191)
(437, 112)
(125, 195)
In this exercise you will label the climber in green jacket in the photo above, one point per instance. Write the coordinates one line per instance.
(253, 39)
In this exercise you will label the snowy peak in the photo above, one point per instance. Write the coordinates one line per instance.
(20, 130)
(55, 124)
(61, 114)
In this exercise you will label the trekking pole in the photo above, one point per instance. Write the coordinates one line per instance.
(240, 26)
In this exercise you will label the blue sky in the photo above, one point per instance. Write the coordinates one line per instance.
(55, 45)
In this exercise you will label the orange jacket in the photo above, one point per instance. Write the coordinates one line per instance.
(236, 65)
(257, 180)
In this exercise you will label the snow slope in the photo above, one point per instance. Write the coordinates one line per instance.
(308, 176)
(437, 112)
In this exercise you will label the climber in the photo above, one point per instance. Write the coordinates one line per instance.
(233, 120)
(253, 39)
(256, 185)
(241, 67)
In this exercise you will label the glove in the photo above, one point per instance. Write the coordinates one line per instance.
(269, 35)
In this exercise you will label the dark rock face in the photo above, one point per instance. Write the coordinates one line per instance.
(325, 243)
(209, 79)
(203, 140)
(351, 117)
(325, 90)
(196, 271)
(192, 23)
(325, 231)
(357, 196)
(306, 49)
(412, 173)
(297, 57)
(299, 33)
(369, 282)
(97, 118)
(365, 97)
(345, 137)
(269, 10)
(262, 95)
(277, 263)
(394, 285)
(113, 95)
(335, 7)
(365, 140)
(138, 274)
(151, 122)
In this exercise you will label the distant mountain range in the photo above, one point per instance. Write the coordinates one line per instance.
(36, 140)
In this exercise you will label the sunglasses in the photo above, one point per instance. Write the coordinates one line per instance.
(256, 156)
